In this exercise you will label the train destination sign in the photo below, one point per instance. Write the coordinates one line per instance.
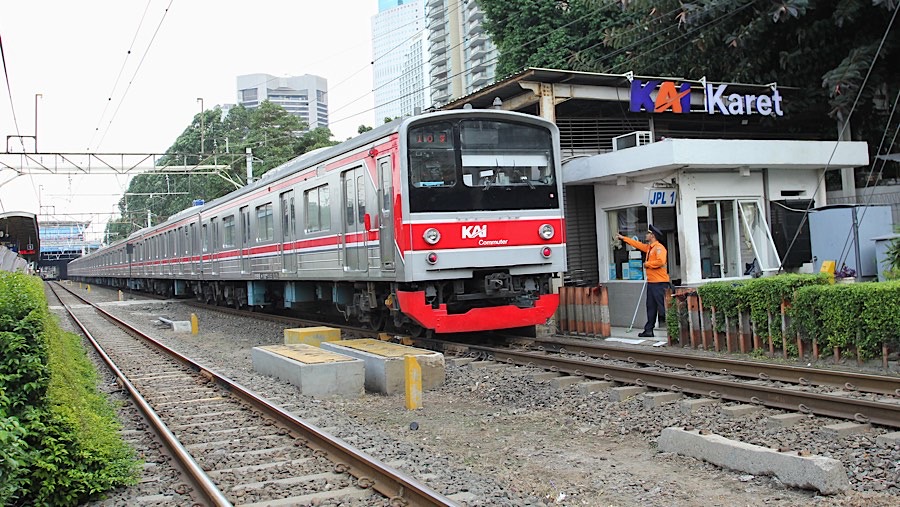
(676, 98)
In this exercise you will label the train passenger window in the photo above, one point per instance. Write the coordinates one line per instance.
(265, 225)
(361, 198)
(318, 209)
(228, 231)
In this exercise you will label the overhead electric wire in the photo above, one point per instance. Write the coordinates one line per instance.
(136, 70)
(845, 250)
(119, 76)
(9, 92)
(862, 87)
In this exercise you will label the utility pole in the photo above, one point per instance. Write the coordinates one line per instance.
(202, 126)
(249, 165)
(36, 97)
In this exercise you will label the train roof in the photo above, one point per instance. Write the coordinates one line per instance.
(314, 157)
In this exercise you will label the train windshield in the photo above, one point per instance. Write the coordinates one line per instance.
(481, 165)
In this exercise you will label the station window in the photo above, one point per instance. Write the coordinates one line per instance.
(318, 209)
(631, 222)
(734, 239)
(265, 225)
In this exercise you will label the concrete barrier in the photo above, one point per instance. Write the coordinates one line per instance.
(385, 370)
(823, 474)
(315, 371)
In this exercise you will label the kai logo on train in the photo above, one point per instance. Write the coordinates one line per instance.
(676, 98)
(474, 231)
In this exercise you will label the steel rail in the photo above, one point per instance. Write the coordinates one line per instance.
(851, 381)
(369, 471)
(207, 487)
(886, 414)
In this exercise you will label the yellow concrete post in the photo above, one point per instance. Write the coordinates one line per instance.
(413, 383)
(120, 296)
(89, 287)
(195, 324)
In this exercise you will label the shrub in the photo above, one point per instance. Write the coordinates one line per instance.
(59, 442)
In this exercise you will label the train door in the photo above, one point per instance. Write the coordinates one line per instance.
(245, 239)
(193, 240)
(214, 245)
(385, 214)
(288, 233)
(354, 219)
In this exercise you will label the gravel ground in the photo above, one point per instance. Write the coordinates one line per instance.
(500, 438)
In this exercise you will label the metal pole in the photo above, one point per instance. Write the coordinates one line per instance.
(249, 166)
(36, 96)
(202, 129)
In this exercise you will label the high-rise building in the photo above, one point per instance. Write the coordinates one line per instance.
(398, 68)
(462, 56)
(304, 96)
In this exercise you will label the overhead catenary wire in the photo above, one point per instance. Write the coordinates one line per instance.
(846, 123)
(119, 75)
(845, 250)
(134, 75)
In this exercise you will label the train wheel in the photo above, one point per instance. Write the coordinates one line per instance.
(415, 330)
(377, 320)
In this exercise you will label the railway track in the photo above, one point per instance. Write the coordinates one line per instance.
(833, 393)
(234, 447)
(843, 395)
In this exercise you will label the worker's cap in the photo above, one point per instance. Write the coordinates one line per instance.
(656, 231)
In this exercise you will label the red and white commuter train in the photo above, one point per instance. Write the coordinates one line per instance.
(449, 221)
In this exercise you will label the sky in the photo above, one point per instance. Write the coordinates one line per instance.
(124, 76)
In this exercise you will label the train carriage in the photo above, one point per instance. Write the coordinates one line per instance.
(449, 221)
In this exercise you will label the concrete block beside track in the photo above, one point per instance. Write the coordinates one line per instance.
(315, 371)
(625, 392)
(691, 406)
(461, 361)
(888, 439)
(825, 475)
(563, 382)
(844, 429)
(385, 369)
(740, 410)
(784, 420)
(595, 386)
(653, 400)
(311, 335)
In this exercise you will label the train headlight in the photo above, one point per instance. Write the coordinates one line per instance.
(431, 236)
(546, 231)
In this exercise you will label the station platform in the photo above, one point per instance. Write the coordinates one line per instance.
(316, 372)
(385, 369)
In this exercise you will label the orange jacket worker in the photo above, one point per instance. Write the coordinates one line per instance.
(657, 276)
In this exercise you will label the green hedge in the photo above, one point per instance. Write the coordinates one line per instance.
(59, 442)
(759, 296)
(863, 315)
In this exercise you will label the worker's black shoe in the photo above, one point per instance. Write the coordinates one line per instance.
(646, 334)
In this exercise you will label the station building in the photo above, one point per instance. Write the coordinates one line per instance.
(725, 170)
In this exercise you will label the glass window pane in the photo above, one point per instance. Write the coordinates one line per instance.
(631, 222)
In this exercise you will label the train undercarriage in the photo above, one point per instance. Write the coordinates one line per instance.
(488, 300)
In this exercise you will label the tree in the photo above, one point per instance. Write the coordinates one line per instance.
(826, 48)
(274, 136)
(363, 129)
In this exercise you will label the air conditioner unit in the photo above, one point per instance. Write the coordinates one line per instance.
(631, 140)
